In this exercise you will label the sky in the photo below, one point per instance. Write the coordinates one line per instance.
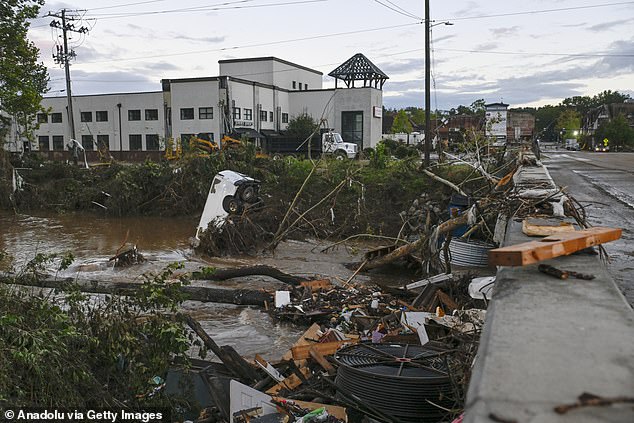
(522, 53)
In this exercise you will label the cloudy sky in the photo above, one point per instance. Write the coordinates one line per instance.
(523, 53)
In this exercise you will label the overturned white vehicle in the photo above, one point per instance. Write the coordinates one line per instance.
(230, 193)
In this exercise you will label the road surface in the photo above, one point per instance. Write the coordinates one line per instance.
(604, 184)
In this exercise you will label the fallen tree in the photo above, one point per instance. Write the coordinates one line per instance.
(195, 293)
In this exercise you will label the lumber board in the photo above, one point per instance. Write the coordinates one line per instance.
(317, 285)
(309, 337)
(321, 360)
(290, 383)
(541, 227)
(325, 348)
(552, 246)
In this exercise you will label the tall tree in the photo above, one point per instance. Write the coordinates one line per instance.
(401, 123)
(568, 121)
(617, 131)
(22, 79)
(301, 126)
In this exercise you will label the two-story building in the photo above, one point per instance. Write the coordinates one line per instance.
(252, 97)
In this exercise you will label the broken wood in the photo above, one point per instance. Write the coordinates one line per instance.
(551, 246)
(290, 383)
(321, 360)
(591, 400)
(230, 358)
(424, 282)
(317, 285)
(195, 293)
(552, 271)
(309, 337)
(543, 227)
(325, 348)
(224, 274)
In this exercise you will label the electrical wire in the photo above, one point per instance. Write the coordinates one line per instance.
(400, 12)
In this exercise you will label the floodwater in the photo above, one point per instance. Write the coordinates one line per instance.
(93, 239)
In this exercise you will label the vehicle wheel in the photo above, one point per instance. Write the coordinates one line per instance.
(340, 155)
(248, 194)
(231, 205)
(277, 156)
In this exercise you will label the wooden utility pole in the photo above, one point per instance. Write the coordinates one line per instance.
(64, 56)
(427, 85)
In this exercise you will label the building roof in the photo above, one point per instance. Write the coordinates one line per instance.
(359, 68)
(496, 104)
(269, 58)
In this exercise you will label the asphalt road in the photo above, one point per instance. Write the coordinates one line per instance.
(604, 184)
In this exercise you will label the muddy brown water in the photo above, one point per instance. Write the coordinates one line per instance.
(94, 239)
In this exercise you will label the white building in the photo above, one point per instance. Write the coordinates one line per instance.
(254, 97)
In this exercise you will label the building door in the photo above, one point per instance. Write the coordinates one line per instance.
(352, 127)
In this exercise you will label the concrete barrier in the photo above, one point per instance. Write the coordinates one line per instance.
(547, 341)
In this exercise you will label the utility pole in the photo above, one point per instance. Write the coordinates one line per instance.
(427, 85)
(64, 56)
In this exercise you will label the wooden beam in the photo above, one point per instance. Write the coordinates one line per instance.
(321, 360)
(562, 244)
(325, 348)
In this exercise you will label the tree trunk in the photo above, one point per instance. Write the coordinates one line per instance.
(224, 274)
(195, 293)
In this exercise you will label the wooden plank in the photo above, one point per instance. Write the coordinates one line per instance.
(562, 244)
(321, 360)
(325, 348)
(290, 383)
(425, 282)
(311, 333)
(543, 227)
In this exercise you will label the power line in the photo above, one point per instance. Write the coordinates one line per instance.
(127, 4)
(532, 12)
(400, 12)
(517, 53)
(314, 37)
(205, 8)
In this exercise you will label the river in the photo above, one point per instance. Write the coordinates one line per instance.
(93, 239)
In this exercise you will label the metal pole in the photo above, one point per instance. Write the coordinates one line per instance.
(69, 96)
(427, 85)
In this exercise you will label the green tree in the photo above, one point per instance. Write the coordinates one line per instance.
(545, 119)
(301, 126)
(401, 123)
(608, 97)
(617, 131)
(22, 79)
(568, 121)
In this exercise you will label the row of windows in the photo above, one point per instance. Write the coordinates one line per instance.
(301, 86)
(88, 142)
(100, 116)
(187, 113)
(264, 115)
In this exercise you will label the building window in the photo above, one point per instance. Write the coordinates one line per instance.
(263, 115)
(208, 136)
(101, 116)
(284, 117)
(56, 118)
(43, 142)
(151, 142)
(236, 113)
(352, 127)
(151, 114)
(185, 140)
(103, 142)
(187, 113)
(305, 87)
(300, 86)
(86, 116)
(205, 113)
(42, 118)
(87, 142)
(294, 85)
(135, 142)
(248, 114)
(134, 114)
(58, 142)
(270, 116)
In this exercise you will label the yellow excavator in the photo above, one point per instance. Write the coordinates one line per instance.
(199, 146)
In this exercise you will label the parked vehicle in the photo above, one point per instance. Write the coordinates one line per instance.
(230, 193)
(331, 143)
(572, 144)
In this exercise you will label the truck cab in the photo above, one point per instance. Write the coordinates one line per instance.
(333, 143)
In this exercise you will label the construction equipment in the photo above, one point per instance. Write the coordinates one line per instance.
(199, 145)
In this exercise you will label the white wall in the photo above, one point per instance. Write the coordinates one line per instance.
(112, 128)
(195, 94)
(272, 72)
